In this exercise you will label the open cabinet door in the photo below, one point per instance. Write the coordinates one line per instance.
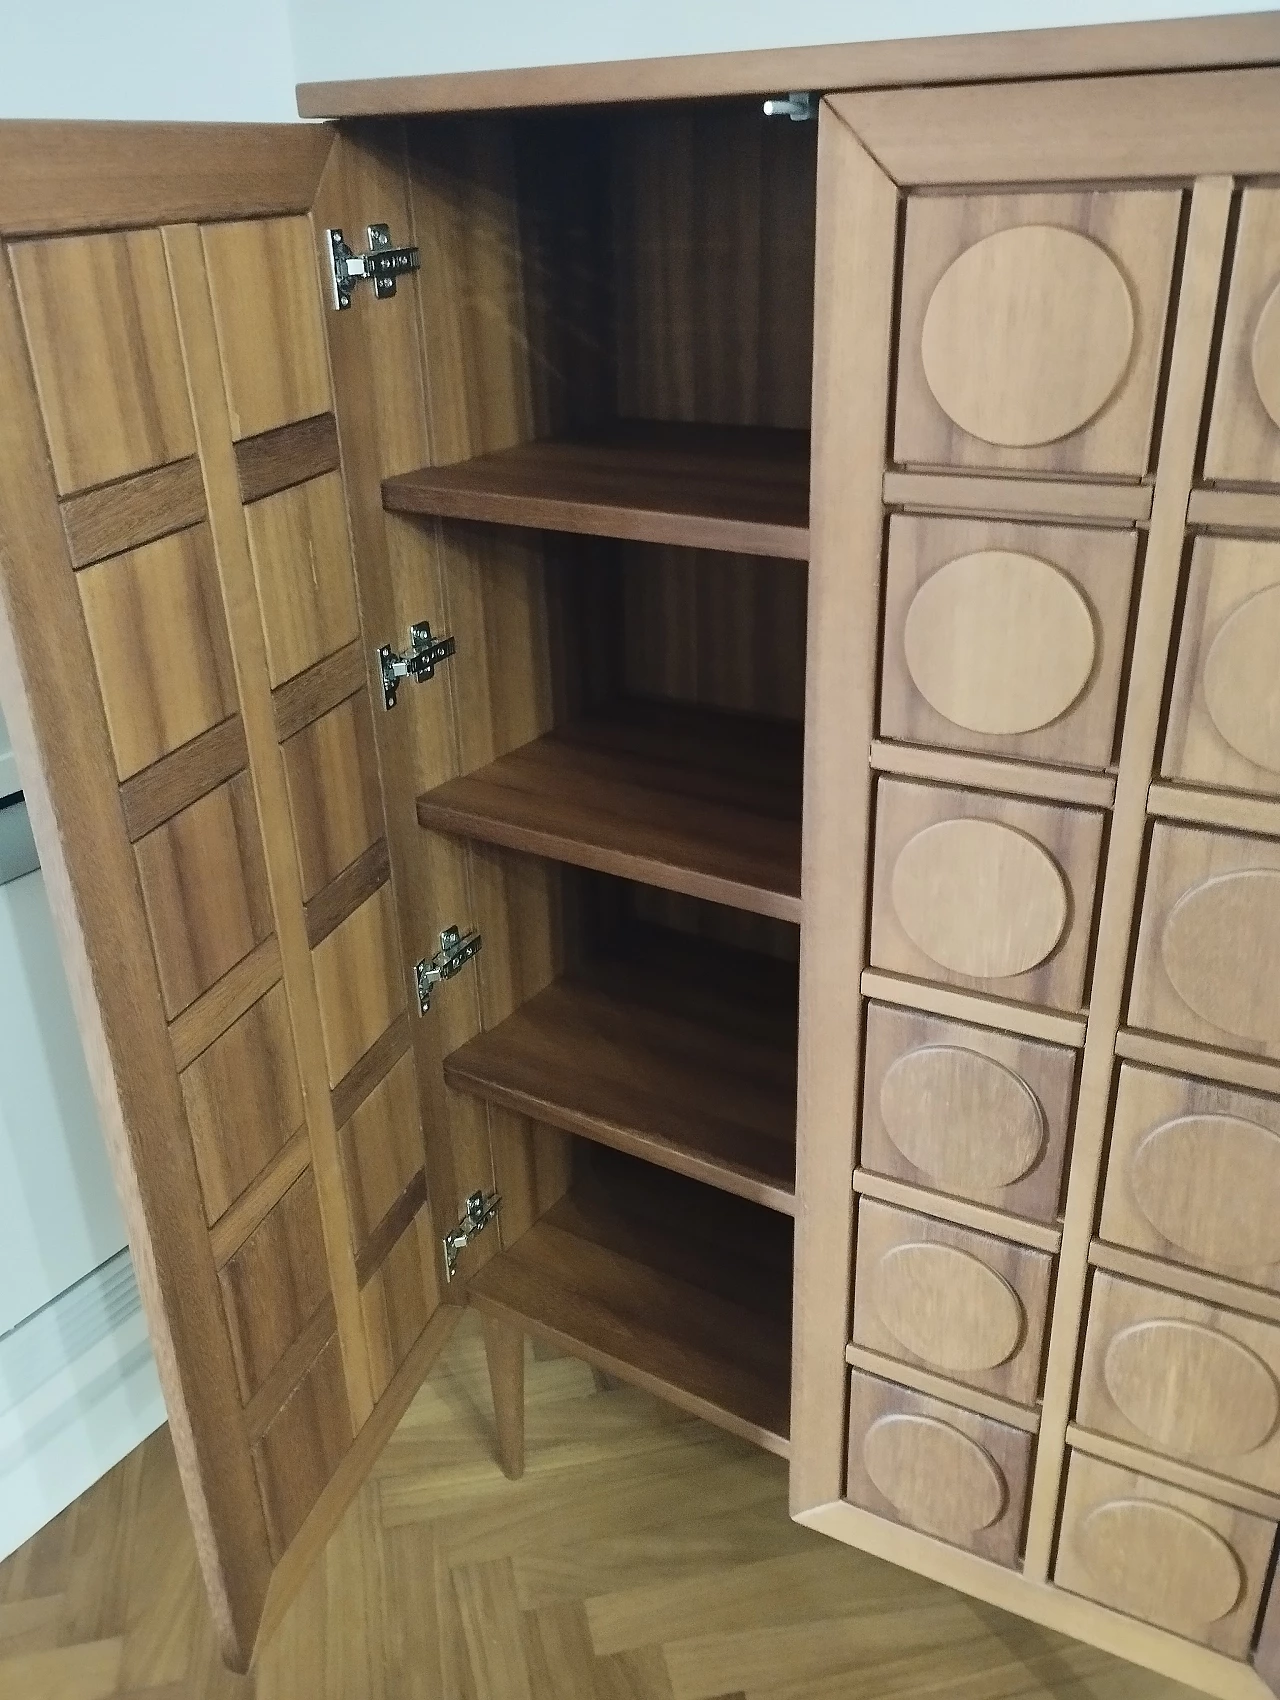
(188, 686)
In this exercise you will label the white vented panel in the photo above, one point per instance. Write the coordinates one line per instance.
(58, 1212)
(78, 1391)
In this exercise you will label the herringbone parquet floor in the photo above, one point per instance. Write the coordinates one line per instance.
(645, 1556)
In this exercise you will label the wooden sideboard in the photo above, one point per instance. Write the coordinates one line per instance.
(857, 750)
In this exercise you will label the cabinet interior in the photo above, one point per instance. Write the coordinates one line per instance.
(624, 355)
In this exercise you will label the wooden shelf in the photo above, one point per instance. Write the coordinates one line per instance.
(680, 1051)
(739, 488)
(664, 1283)
(684, 798)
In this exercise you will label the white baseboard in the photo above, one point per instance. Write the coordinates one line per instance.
(78, 1391)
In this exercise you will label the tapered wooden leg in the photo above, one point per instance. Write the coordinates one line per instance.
(504, 1350)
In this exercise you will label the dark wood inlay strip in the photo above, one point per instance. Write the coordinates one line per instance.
(138, 510)
(210, 1015)
(275, 460)
(305, 698)
(343, 896)
(289, 1371)
(182, 777)
(373, 1067)
(259, 1198)
(381, 1242)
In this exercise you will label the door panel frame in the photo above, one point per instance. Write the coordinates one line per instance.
(876, 148)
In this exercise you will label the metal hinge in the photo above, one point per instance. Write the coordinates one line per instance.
(481, 1209)
(456, 950)
(381, 266)
(425, 653)
(797, 106)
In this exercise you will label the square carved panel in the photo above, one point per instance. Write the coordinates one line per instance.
(159, 638)
(204, 885)
(108, 363)
(1032, 329)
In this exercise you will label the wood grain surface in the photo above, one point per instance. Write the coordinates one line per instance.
(1184, 124)
(1189, 364)
(99, 176)
(159, 639)
(116, 517)
(1169, 1557)
(244, 1100)
(55, 716)
(104, 345)
(965, 1305)
(854, 326)
(939, 912)
(698, 486)
(331, 771)
(966, 1110)
(1193, 1175)
(285, 455)
(677, 1052)
(1098, 49)
(1005, 638)
(1002, 386)
(640, 1543)
(955, 1474)
(1244, 439)
(183, 776)
(1183, 1379)
(678, 798)
(614, 1274)
(204, 884)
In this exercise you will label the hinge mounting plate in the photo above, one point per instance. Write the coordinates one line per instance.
(381, 266)
(419, 663)
(456, 950)
(481, 1209)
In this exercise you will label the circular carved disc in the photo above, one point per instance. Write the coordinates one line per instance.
(999, 642)
(1220, 948)
(961, 1118)
(934, 1476)
(1266, 355)
(1242, 679)
(1027, 335)
(1159, 1562)
(979, 897)
(947, 1306)
(1197, 1393)
(1211, 1186)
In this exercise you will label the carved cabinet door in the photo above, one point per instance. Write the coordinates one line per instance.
(187, 679)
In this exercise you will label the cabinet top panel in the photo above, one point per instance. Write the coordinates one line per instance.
(1095, 49)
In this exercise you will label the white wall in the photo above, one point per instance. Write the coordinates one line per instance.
(382, 38)
(192, 59)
